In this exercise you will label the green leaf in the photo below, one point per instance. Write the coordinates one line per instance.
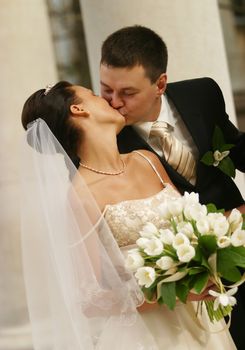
(226, 165)
(201, 282)
(198, 255)
(149, 293)
(231, 256)
(208, 244)
(228, 261)
(182, 292)
(205, 263)
(243, 224)
(211, 208)
(218, 138)
(226, 147)
(231, 274)
(168, 294)
(196, 270)
(208, 158)
(160, 301)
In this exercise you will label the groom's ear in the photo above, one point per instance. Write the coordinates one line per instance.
(161, 83)
(78, 111)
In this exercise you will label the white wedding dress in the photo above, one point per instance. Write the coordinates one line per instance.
(176, 329)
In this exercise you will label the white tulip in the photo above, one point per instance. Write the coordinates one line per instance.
(213, 217)
(195, 211)
(164, 212)
(175, 207)
(203, 226)
(223, 242)
(133, 261)
(186, 228)
(146, 276)
(166, 236)
(191, 198)
(142, 242)
(224, 299)
(238, 238)
(165, 263)
(154, 247)
(220, 226)
(235, 220)
(149, 230)
(180, 239)
(185, 252)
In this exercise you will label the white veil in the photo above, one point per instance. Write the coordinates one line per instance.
(78, 292)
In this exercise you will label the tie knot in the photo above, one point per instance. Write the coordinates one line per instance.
(159, 128)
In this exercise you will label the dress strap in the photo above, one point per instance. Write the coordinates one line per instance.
(152, 165)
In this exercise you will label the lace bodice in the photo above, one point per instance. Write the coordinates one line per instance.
(127, 218)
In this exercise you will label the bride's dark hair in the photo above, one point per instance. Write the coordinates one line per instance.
(53, 106)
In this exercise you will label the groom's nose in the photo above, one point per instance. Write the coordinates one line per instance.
(116, 102)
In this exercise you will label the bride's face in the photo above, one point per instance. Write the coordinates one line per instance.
(97, 106)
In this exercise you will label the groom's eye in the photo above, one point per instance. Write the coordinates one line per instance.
(107, 91)
(129, 93)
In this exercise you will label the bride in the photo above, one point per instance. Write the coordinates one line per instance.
(79, 294)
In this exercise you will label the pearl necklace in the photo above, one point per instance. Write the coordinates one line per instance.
(104, 172)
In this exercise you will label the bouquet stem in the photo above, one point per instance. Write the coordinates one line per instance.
(220, 313)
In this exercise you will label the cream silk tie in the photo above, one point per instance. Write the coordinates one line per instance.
(175, 153)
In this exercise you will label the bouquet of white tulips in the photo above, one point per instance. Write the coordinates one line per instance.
(197, 244)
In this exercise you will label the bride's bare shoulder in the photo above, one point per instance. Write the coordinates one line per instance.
(154, 159)
(143, 153)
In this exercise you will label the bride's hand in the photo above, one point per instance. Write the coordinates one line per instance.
(204, 295)
(147, 307)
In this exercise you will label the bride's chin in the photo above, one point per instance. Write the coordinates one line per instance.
(120, 127)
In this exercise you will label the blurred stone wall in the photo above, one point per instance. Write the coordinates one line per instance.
(69, 41)
(27, 63)
(232, 15)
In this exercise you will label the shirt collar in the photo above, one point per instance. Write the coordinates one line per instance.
(166, 115)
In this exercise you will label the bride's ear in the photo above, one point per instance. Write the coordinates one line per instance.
(78, 111)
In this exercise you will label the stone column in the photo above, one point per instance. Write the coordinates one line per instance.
(27, 64)
(190, 28)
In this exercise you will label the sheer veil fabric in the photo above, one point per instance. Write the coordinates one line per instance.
(79, 294)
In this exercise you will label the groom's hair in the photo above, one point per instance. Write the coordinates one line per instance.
(136, 45)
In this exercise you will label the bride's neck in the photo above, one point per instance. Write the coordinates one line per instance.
(100, 151)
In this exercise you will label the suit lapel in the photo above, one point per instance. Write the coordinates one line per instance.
(190, 114)
(196, 123)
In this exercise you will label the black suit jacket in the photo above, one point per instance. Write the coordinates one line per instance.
(201, 105)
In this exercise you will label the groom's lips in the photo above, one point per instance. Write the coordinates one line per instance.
(122, 112)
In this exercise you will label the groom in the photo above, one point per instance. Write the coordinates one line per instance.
(177, 121)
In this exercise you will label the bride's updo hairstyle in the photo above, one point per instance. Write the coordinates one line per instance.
(53, 106)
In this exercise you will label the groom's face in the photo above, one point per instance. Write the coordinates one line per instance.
(132, 93)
